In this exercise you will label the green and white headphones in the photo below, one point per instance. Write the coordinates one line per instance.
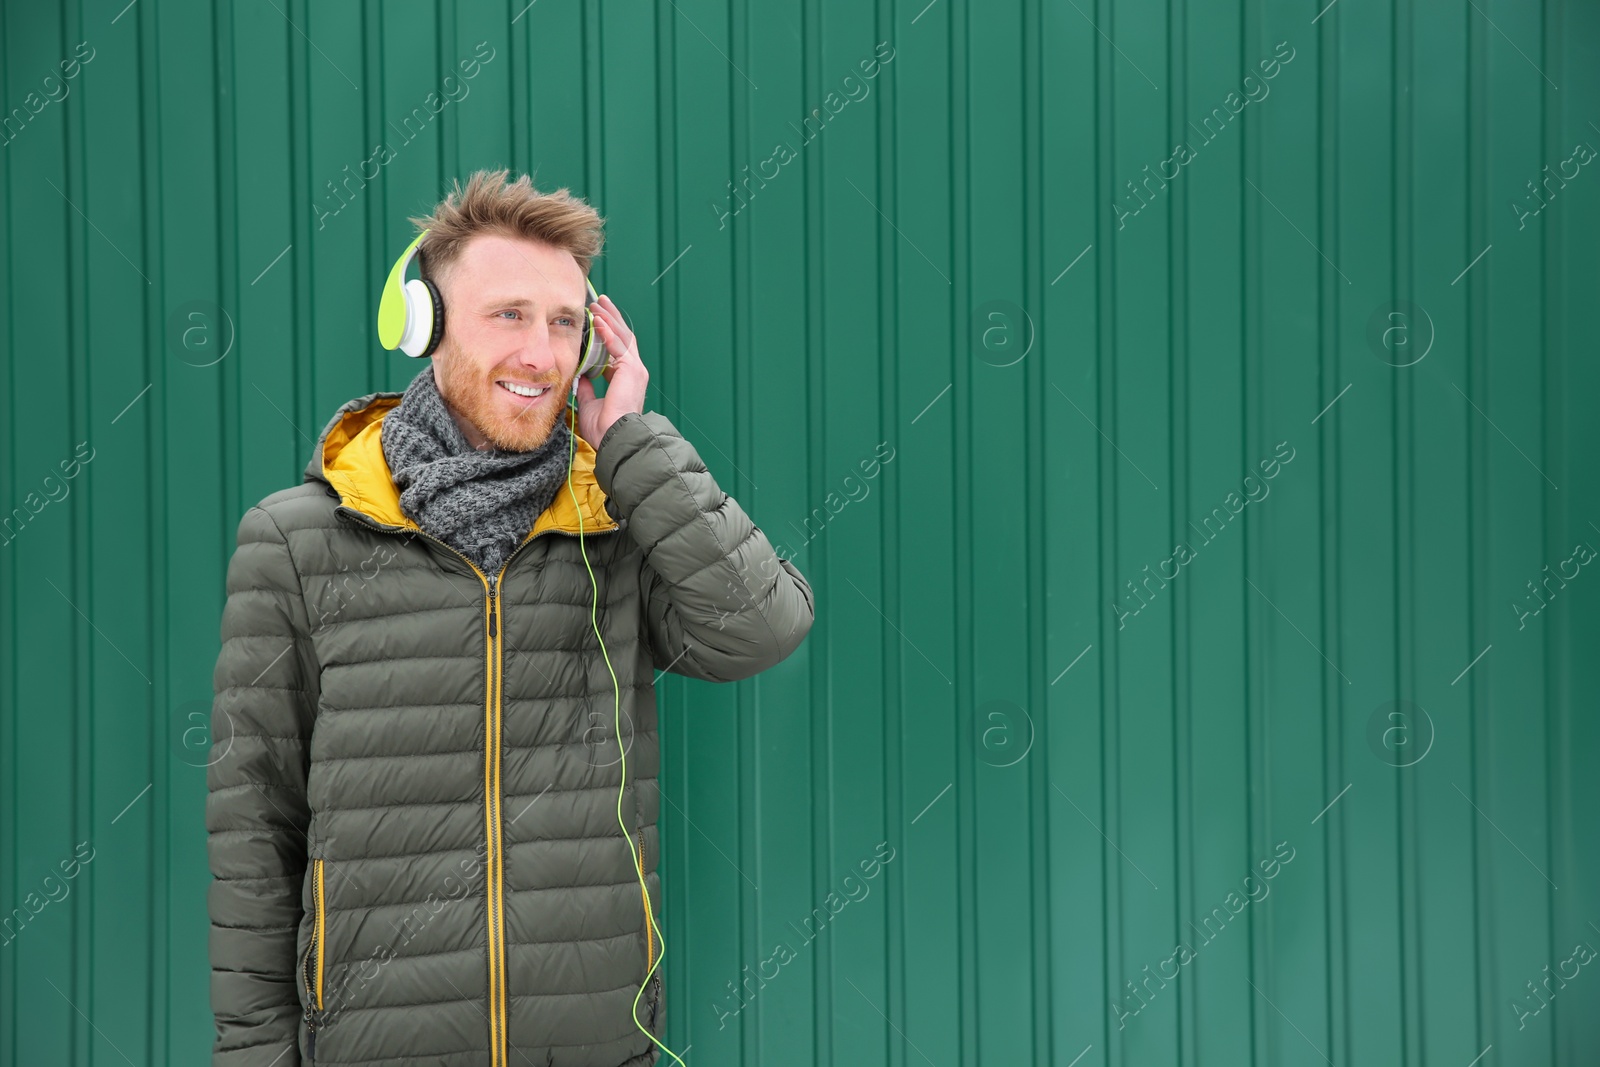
(411, 317)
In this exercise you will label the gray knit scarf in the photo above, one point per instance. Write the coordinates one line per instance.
(480, 502)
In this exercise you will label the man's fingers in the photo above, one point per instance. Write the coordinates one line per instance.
(616, 340)
(613, 340)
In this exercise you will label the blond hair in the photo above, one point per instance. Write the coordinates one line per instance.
(489, 204)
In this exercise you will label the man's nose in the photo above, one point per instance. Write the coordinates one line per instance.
(539, 354)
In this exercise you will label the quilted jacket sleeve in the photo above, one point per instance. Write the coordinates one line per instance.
(719, 604)
(256, 811)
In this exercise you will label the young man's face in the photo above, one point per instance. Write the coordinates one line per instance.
(514, 313)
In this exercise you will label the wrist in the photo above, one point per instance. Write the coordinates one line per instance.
(605, 431)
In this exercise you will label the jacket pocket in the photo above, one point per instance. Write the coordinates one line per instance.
(319, 936)
(652, 947)
(311, 967)
(644, 892)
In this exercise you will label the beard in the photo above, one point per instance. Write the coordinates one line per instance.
(472, 393)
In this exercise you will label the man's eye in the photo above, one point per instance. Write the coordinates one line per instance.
(508, 311)
(567, 320)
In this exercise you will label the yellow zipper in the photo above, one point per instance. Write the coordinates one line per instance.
(491, 813)
(312, 964)
(320, 934)
(649, 934)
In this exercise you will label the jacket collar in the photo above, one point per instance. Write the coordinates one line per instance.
(348, 458)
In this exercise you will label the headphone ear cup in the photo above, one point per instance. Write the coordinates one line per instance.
(421, 310)
(592, 350)
(586, 348)
(437, 333)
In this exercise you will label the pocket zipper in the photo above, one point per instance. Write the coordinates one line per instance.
(649, 940)
(311, 1007)
(314, 950)
(649, 934)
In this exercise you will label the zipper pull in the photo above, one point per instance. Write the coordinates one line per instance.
(492, 597)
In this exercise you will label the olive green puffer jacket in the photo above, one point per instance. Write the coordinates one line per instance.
(413, 819)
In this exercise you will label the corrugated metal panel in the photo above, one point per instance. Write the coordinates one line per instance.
(979, 347)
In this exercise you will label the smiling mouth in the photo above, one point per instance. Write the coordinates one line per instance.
(522, 391)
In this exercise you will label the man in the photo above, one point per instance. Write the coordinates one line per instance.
(433, 799)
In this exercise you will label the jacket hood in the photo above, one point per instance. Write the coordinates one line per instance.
(349, 459)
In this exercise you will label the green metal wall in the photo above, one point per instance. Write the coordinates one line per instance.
(1076, 346)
